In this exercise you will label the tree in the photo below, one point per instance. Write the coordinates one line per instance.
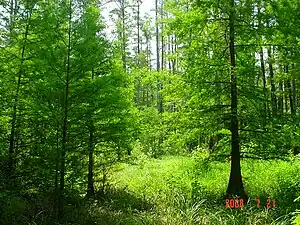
(235, 185)
(159, 85)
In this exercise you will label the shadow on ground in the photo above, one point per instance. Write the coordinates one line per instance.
(117, 207)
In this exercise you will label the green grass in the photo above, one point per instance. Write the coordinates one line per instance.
(182, 190)
(176, 191)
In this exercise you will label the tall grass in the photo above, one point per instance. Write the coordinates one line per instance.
(187, 191)
(175, 191)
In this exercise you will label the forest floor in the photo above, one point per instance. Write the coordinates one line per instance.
(186, 191)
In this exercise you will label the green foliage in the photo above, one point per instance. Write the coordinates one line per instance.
(68, 96)
(76, 109)
(296, 220)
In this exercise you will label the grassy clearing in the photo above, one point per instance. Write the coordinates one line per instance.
(174, 191)
(181, 190)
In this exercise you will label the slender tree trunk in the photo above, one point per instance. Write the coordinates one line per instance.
(11, 16)
(280, 98)
(157, 36)
(263, 75)
(173, 52)
(11, 158)
(290, 92)
(294, 92)
(143, 96)
(263, 70)
(152, 96)
(169, 52)
(123, 35)
(90, 189)
(162, 38)
(235, 184)
(176, 59)
(147, 97)
(56, 192)
(272, 84)
(148, 50)
(137, 97)
(138, 27)
(286, 90)
(170, 107)
(291, 100)
(65, 122)
(286, 97)
(159, 85)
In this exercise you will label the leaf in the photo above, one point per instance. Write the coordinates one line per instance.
(297, 220)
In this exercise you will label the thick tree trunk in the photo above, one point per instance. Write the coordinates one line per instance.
(235, 184)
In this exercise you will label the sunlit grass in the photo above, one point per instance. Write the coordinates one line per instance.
(177, 191)
(188, 191)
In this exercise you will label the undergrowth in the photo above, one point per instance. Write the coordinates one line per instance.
(171, 191)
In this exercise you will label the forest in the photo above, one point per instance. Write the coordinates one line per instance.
(188, 114)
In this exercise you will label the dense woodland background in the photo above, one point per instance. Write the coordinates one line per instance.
(96, 130)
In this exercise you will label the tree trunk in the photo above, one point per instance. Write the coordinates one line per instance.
(56, 192)
(286, 90)
(11, 158)
(159, 85)
(294, 92)
(138, 28)
(162, 39)
(263, 75)
(235, 184)
(90, 189)
(11, 16)
(156, 36)
(273, 96)
(65, 123)
(123, 35)
(169, 52)
(290, 93)
(137, 96)
(173, 52)
(280, 98)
